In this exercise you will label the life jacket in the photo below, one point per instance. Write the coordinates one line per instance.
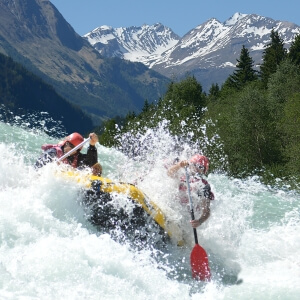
(60, 153)
(198, 185)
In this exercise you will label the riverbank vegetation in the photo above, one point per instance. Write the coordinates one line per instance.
(248, 126)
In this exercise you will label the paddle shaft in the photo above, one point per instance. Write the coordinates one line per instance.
(191, 202)
(74, 149)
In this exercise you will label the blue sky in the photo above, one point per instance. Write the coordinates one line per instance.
(181, 16)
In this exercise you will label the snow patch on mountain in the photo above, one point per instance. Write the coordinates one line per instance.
(234, 19)
(227, 64)
(133, 43)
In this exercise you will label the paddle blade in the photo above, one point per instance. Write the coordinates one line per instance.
(199, 264)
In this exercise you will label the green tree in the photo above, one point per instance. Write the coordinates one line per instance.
(130, 116)
(255, 133)
(183, 105)
(214, 92)
(186, 92)
(241, 123)
(146, 106)
(108, 132)
(282, 84)
(244, 72)
(218, 120)
(291, 128)
(283, 102)
(273, 55)
(294, 52)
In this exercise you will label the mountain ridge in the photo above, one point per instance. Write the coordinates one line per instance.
(209, 48)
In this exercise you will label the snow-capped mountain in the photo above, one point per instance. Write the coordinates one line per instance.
(209, 51)
(133, 43)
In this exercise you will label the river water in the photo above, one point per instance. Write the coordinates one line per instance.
(49, 250)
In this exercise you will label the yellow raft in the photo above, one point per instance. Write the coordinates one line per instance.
(129, 190)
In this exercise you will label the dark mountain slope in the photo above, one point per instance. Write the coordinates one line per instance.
(22, 92)
(36, 35)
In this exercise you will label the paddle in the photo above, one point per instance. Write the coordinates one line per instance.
(74, 149)
(198, 258)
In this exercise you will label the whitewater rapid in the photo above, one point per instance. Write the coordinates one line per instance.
(48, 249)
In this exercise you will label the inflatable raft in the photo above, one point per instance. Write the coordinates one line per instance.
(118, 205)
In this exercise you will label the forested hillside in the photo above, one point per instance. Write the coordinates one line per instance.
(21, 92)
(252, 122)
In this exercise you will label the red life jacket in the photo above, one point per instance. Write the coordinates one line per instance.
(60, 153)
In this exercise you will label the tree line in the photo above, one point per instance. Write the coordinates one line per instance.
(248, 126)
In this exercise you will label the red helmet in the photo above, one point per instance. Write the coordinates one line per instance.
(74, 138)
(201, 160)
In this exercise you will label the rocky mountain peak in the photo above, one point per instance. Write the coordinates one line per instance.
(235, 18)
(132, 43)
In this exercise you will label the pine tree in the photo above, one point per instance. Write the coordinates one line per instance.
(108, 132)
(244, 72)
(214, 91)
(273, 55)
(130, 116)
(294, 53)
(146, 106)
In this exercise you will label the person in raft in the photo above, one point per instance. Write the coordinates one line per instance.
(200, 188)
(75, 159)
